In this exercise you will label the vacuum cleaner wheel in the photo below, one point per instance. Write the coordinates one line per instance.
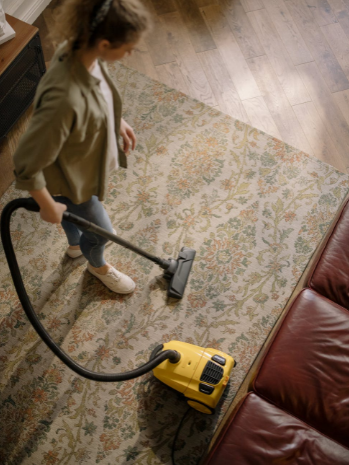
(203, 408)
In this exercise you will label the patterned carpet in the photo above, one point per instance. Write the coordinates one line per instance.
(254, 208)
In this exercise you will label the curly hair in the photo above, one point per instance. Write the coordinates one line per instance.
(126, 21)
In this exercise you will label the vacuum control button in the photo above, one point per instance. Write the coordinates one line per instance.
(206, 388)
(219, 359)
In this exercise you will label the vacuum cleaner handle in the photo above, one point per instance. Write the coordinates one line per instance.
(172, 355)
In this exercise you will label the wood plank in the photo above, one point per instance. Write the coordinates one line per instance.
(317, 135)
(19, 129)
(54, 4)
(251, 5)
(243, 31)
(49, 18)
(341, 10)
(6, 172)
(339, 43)
(260, 116)
(318, 46)
(8, 147)
(342, 101)
(199, 34)
(202, 3)
(187, 59)
(288, 31)
(286, 73)
(170, 74)
(222, 85)
(321, 12)
(141, 60)
(157, 41)
(162, 7)
(231, 53)
(278, 104)
(324, 102)
(47, 46)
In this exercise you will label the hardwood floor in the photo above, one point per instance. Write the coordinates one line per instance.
(279, 65)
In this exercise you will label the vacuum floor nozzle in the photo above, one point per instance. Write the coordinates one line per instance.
(178, 272)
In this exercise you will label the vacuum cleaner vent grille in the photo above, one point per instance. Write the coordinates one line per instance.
(212, 373)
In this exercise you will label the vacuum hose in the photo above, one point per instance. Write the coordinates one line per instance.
(172, 355)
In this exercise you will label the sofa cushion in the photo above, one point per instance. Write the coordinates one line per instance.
(306, 368)
(262, 434)
(331, 275)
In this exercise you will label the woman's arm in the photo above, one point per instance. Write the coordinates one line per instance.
(40, 145)
(50, 210)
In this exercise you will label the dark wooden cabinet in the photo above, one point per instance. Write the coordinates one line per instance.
(21, 68)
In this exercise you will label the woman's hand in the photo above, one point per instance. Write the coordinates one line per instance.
(54, 213)
(126, 132)
(50, 210)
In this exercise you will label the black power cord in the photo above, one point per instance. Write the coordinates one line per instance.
(177, 433)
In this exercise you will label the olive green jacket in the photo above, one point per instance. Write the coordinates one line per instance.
(65, 145)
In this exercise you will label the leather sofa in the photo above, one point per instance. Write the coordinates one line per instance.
(297, 411)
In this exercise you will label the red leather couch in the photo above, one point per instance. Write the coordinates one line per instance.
(298, 409)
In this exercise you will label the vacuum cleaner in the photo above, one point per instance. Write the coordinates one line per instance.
(199, 374)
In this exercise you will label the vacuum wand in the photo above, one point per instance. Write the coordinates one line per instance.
(176, 270)
(84, 224)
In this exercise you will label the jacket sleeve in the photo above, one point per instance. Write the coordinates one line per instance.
(48, 129)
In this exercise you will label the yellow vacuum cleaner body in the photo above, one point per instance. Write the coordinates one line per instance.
(201, 375)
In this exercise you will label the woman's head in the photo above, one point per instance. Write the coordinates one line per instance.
(114, 26)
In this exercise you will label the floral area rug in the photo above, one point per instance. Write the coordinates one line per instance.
(254, 209)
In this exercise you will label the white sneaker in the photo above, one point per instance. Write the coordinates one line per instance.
(75, 253)
(114, 280)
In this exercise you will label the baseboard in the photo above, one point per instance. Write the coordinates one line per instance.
(26, 10)
(10, 6)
